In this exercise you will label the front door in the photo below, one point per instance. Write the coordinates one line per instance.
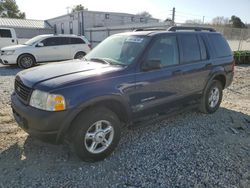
(158, 86)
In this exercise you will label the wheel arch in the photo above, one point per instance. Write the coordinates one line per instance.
(26, 54)
(113, 103)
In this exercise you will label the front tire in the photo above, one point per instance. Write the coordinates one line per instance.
(26, 61)
(96, 134)
(212, 97)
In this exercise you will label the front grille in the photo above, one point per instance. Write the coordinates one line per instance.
(22, 91)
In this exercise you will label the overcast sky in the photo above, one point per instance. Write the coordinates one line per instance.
(185, 9)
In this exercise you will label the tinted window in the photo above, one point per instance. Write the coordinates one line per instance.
(76, 41)
(190, 48)
(55, 41)
(220, 45)
(164, 49)
(5, 33)
(203, 50)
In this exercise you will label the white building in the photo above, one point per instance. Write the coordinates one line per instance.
(78, 22)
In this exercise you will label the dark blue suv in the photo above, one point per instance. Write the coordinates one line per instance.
(128, 79)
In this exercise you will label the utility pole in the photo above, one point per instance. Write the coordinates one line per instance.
(173, 16)
(203, 20)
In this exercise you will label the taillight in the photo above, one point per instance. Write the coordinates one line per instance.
(89, 45)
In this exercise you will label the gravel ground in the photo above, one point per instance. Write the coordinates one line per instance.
(188, 150)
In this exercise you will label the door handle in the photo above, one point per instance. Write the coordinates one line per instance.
(209, 65)
(177, 72)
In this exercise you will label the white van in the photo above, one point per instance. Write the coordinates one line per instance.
(7, 37)
(45, 48)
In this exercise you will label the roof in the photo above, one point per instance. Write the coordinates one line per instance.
(24, 23)
(102, 12)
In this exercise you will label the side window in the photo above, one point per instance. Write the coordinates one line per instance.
(220, 45)
(164, 49)
(190, 48)
(55, 41)
(204, 55)
(76, 41)
(5, 33)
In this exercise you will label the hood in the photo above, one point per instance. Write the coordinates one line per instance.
(14, 47)
(57, 74)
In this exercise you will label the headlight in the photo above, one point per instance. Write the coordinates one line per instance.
(46, 101)
(8, 52)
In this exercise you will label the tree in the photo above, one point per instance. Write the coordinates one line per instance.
(220, 21)
(78, 8)
(236, 22)
(9, 9)
(145, 14)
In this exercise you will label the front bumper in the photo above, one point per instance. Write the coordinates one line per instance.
(41, 124)
(8, 59)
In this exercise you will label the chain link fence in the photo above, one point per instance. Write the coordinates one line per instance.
(238, 39)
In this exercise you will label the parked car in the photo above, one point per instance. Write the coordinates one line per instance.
(45, 48)
(128, 79)
(7, 37)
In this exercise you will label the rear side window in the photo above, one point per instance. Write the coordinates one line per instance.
(190, 48)
(55, 41)
(203, 50)
(76, 41)
(220, 45)
(5, 33)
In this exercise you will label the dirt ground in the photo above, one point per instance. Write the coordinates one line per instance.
(189, 150)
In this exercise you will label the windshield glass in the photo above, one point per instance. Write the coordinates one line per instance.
(34, 40)
(119, 49)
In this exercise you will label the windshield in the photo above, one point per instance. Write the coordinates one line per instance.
(34, 40)
(119, 49)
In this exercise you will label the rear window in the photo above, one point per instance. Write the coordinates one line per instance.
(190, 48)
(220, 45)
(76, 41)
(5, 33)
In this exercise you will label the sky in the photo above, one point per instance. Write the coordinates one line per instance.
(161, 9)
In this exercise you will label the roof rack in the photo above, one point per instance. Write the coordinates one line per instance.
(176, 28)
(149, 29)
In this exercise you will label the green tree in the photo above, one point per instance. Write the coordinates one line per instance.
(77, 8)
(236, 22)
(9, 9)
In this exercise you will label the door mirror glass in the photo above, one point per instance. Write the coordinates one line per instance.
(40, 44)
(151, 64)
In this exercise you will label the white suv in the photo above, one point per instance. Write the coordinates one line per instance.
(45, 48)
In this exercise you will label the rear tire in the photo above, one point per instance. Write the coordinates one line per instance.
(79, 55)
(26, 61)
(212, 97)
(96, 134)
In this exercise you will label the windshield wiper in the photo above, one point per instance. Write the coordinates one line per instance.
(100, 60)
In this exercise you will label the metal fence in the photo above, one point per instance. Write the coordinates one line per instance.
(238, 39)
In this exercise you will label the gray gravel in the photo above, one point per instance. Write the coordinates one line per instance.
(187, 150)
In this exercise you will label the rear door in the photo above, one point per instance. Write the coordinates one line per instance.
(195, 64)
(6, 38)
(155, 88)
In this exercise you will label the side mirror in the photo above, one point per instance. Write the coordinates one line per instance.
(40, 44)
(152, 64)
